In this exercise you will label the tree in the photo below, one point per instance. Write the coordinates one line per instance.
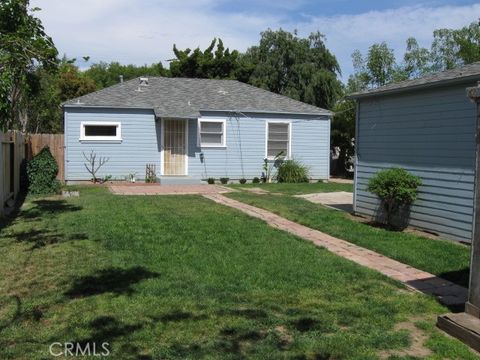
(72, 83)
(451, 48)
(343, 133)
(215, 62)
(301, 68)
(47, 90)
(417, 60)
(375, 69)
(24, 45)
(108, 74)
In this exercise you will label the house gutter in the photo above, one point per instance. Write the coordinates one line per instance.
(80, 105)
(326, 113)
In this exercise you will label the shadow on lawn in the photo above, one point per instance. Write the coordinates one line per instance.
(112, 280)
(4, 323)
(106, 329)
(47, 207)
(43, 237)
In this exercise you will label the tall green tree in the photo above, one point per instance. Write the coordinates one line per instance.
(108, 74)
(417, 60)
(375, 69)
(301, 68)
(47, 92)
(454, 47)
(215, 62)
(343, 133)
(24, 45)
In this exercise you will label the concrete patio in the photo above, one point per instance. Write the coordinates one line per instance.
(339, 200)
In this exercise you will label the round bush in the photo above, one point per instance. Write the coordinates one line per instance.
(243, 181)
(292, 171)
(224, 180)
(395, 187)
(42, 171)
(256, 180)
(211, 181)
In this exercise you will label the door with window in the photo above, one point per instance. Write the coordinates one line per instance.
(174, 147)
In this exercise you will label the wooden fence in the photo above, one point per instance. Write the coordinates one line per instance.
(37, 142)
(12, 155)
(16, 148)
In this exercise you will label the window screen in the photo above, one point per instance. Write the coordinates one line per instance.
(212, 133)
(278, 140)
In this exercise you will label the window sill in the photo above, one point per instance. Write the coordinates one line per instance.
(212, 146)
(272, 159)
(99, 141)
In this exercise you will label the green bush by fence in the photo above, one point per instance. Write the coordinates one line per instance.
(42, 172)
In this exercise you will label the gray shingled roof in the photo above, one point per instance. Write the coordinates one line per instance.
(182, 97)
(462, 73)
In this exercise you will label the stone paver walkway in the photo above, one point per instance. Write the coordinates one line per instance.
(445, 291)
(339, 200)
(157, 189)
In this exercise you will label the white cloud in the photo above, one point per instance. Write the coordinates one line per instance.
(346, 33)
(143, 31)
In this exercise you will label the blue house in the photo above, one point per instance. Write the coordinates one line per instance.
(426, 126)
(192, 129)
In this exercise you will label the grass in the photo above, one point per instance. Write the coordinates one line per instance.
(440, 257)
(165, 277)
(297, 189)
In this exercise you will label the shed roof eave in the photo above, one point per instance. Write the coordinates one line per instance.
(375, 92)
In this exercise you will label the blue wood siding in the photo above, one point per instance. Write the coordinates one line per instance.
(431, 134)
(246, 145)
(139, 145)
(242, 157)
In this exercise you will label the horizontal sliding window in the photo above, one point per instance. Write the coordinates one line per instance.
(278, 140)
(100, 131)
(211, 133)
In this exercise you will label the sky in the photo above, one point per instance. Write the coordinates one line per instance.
(144, 31)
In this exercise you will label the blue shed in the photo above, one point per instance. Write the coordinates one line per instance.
(426, 126)
(192, 129)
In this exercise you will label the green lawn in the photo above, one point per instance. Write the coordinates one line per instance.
(444, 258)
(296, 189)
(165, 277)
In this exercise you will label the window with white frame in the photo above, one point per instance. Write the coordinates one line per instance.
(100, 131)
(278, 140)
(211, 133)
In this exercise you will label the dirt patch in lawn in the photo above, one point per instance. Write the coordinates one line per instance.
(418, 338)
(257, 190)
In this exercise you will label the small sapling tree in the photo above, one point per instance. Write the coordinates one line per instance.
(93, 164)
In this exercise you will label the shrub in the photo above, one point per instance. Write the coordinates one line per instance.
(42, 171)
(211, 181)
(396, 188)
(292, 171)
(224, 180)
(243, 181)
(256, 180)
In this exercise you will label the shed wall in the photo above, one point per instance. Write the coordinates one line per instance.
(430, 133)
